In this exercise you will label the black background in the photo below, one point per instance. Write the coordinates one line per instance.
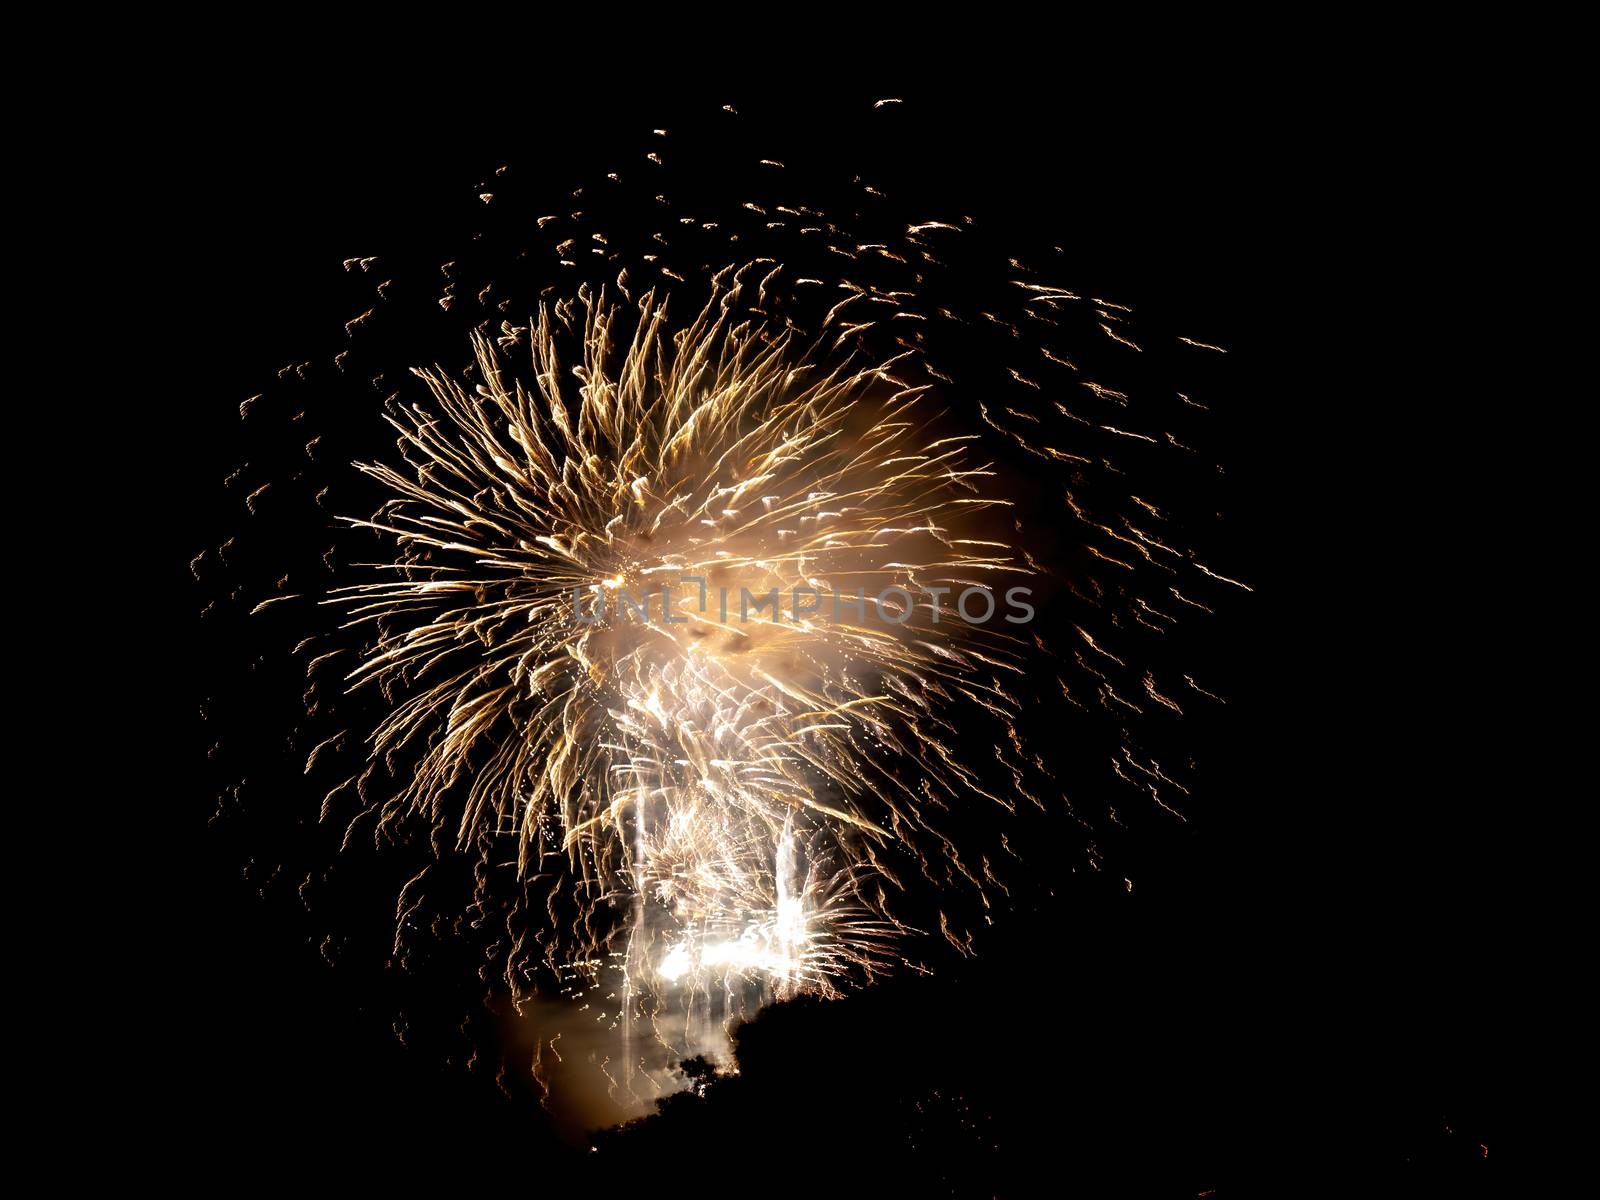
(1312, 986)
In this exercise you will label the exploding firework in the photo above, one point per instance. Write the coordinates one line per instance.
(658, 615)
(554, 632)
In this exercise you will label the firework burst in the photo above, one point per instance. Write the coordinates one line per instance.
(555, 647)
(656, 615)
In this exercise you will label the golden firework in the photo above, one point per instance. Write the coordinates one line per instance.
(678, 614)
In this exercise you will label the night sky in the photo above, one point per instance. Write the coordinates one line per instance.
(1295, 994)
